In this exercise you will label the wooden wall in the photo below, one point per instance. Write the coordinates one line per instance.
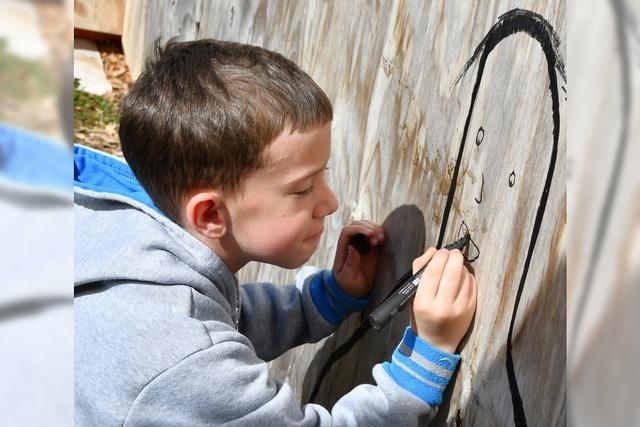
(100, 16)
(422, 144)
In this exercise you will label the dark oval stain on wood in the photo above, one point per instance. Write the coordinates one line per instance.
(512, 179)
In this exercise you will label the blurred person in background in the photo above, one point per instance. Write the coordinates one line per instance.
(36, 311)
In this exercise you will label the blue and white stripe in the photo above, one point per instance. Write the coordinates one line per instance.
(421, 368)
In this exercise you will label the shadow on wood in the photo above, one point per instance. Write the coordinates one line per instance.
(405, 231)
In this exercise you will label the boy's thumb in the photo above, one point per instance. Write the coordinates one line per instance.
(353, 257)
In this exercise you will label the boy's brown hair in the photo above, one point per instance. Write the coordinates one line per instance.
(202, 112)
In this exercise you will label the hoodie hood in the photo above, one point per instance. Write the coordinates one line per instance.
(120, 235)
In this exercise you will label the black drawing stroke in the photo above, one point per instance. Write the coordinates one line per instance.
(514, 21)
(533, 24)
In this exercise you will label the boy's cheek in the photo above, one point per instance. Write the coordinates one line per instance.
(273, 239)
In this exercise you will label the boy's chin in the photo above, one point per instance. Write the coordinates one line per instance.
(291, 263)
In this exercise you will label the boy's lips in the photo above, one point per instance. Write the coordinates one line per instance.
(317, 235)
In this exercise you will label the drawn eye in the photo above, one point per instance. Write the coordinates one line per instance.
(480, 136)
(512, 179)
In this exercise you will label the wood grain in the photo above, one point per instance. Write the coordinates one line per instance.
(390, 70)
(101, 16)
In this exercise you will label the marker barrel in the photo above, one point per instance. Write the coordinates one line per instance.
(401, 297)
(396, 302)
(360, 241)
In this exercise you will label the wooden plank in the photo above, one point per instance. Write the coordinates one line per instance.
(391, 70)
(145, 21)
(100, 16)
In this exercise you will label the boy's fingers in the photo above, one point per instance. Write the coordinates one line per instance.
(474, 291)
(360, 227)
(466, 290)
(421, 261)
(373, 229)
(353, 257)
(452, 276)
(432, 275)
(348, 232)
(342, 250)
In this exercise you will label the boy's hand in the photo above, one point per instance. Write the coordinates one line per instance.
(446, 298)
(355, 272)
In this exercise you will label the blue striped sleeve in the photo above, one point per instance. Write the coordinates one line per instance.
(332, 302)
(421, 368)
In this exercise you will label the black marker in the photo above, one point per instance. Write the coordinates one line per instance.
(399, 299)
(360, 241)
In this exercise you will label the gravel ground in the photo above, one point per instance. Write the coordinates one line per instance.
(105, 138)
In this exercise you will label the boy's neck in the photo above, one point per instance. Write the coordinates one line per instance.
(233, 263)
(225, 248)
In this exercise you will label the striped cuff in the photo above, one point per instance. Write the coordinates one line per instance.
(332, 302)
(421, 368)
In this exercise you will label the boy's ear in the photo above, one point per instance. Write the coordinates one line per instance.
(206, 214)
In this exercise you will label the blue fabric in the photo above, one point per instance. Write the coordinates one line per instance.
(407, 361)
(333, 303)
(410, 373)
(100, 172)
(34, 160)
(428, 394)
(442, 358)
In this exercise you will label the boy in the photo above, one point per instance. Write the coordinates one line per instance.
(230, 143)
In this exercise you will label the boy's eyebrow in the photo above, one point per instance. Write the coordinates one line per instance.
(309, 174)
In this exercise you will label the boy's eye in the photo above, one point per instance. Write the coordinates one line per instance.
(304, 192)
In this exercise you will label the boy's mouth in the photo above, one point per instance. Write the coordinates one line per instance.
(316, 236)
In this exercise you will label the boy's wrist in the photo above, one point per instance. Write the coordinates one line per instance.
(421, 368)
(331, 300)
(358, 301)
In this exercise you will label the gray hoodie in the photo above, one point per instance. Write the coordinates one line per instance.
(165, 336)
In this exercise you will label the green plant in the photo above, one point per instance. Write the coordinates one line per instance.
(91, 110)
(23, 79)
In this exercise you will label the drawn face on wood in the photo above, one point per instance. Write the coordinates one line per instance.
(506, 156)
(509, 226)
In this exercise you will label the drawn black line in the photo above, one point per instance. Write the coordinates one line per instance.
(463, 230)
(481, 189)
(516, 20)
(533, 24)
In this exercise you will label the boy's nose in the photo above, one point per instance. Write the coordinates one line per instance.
(333, 202)
(329, 204)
